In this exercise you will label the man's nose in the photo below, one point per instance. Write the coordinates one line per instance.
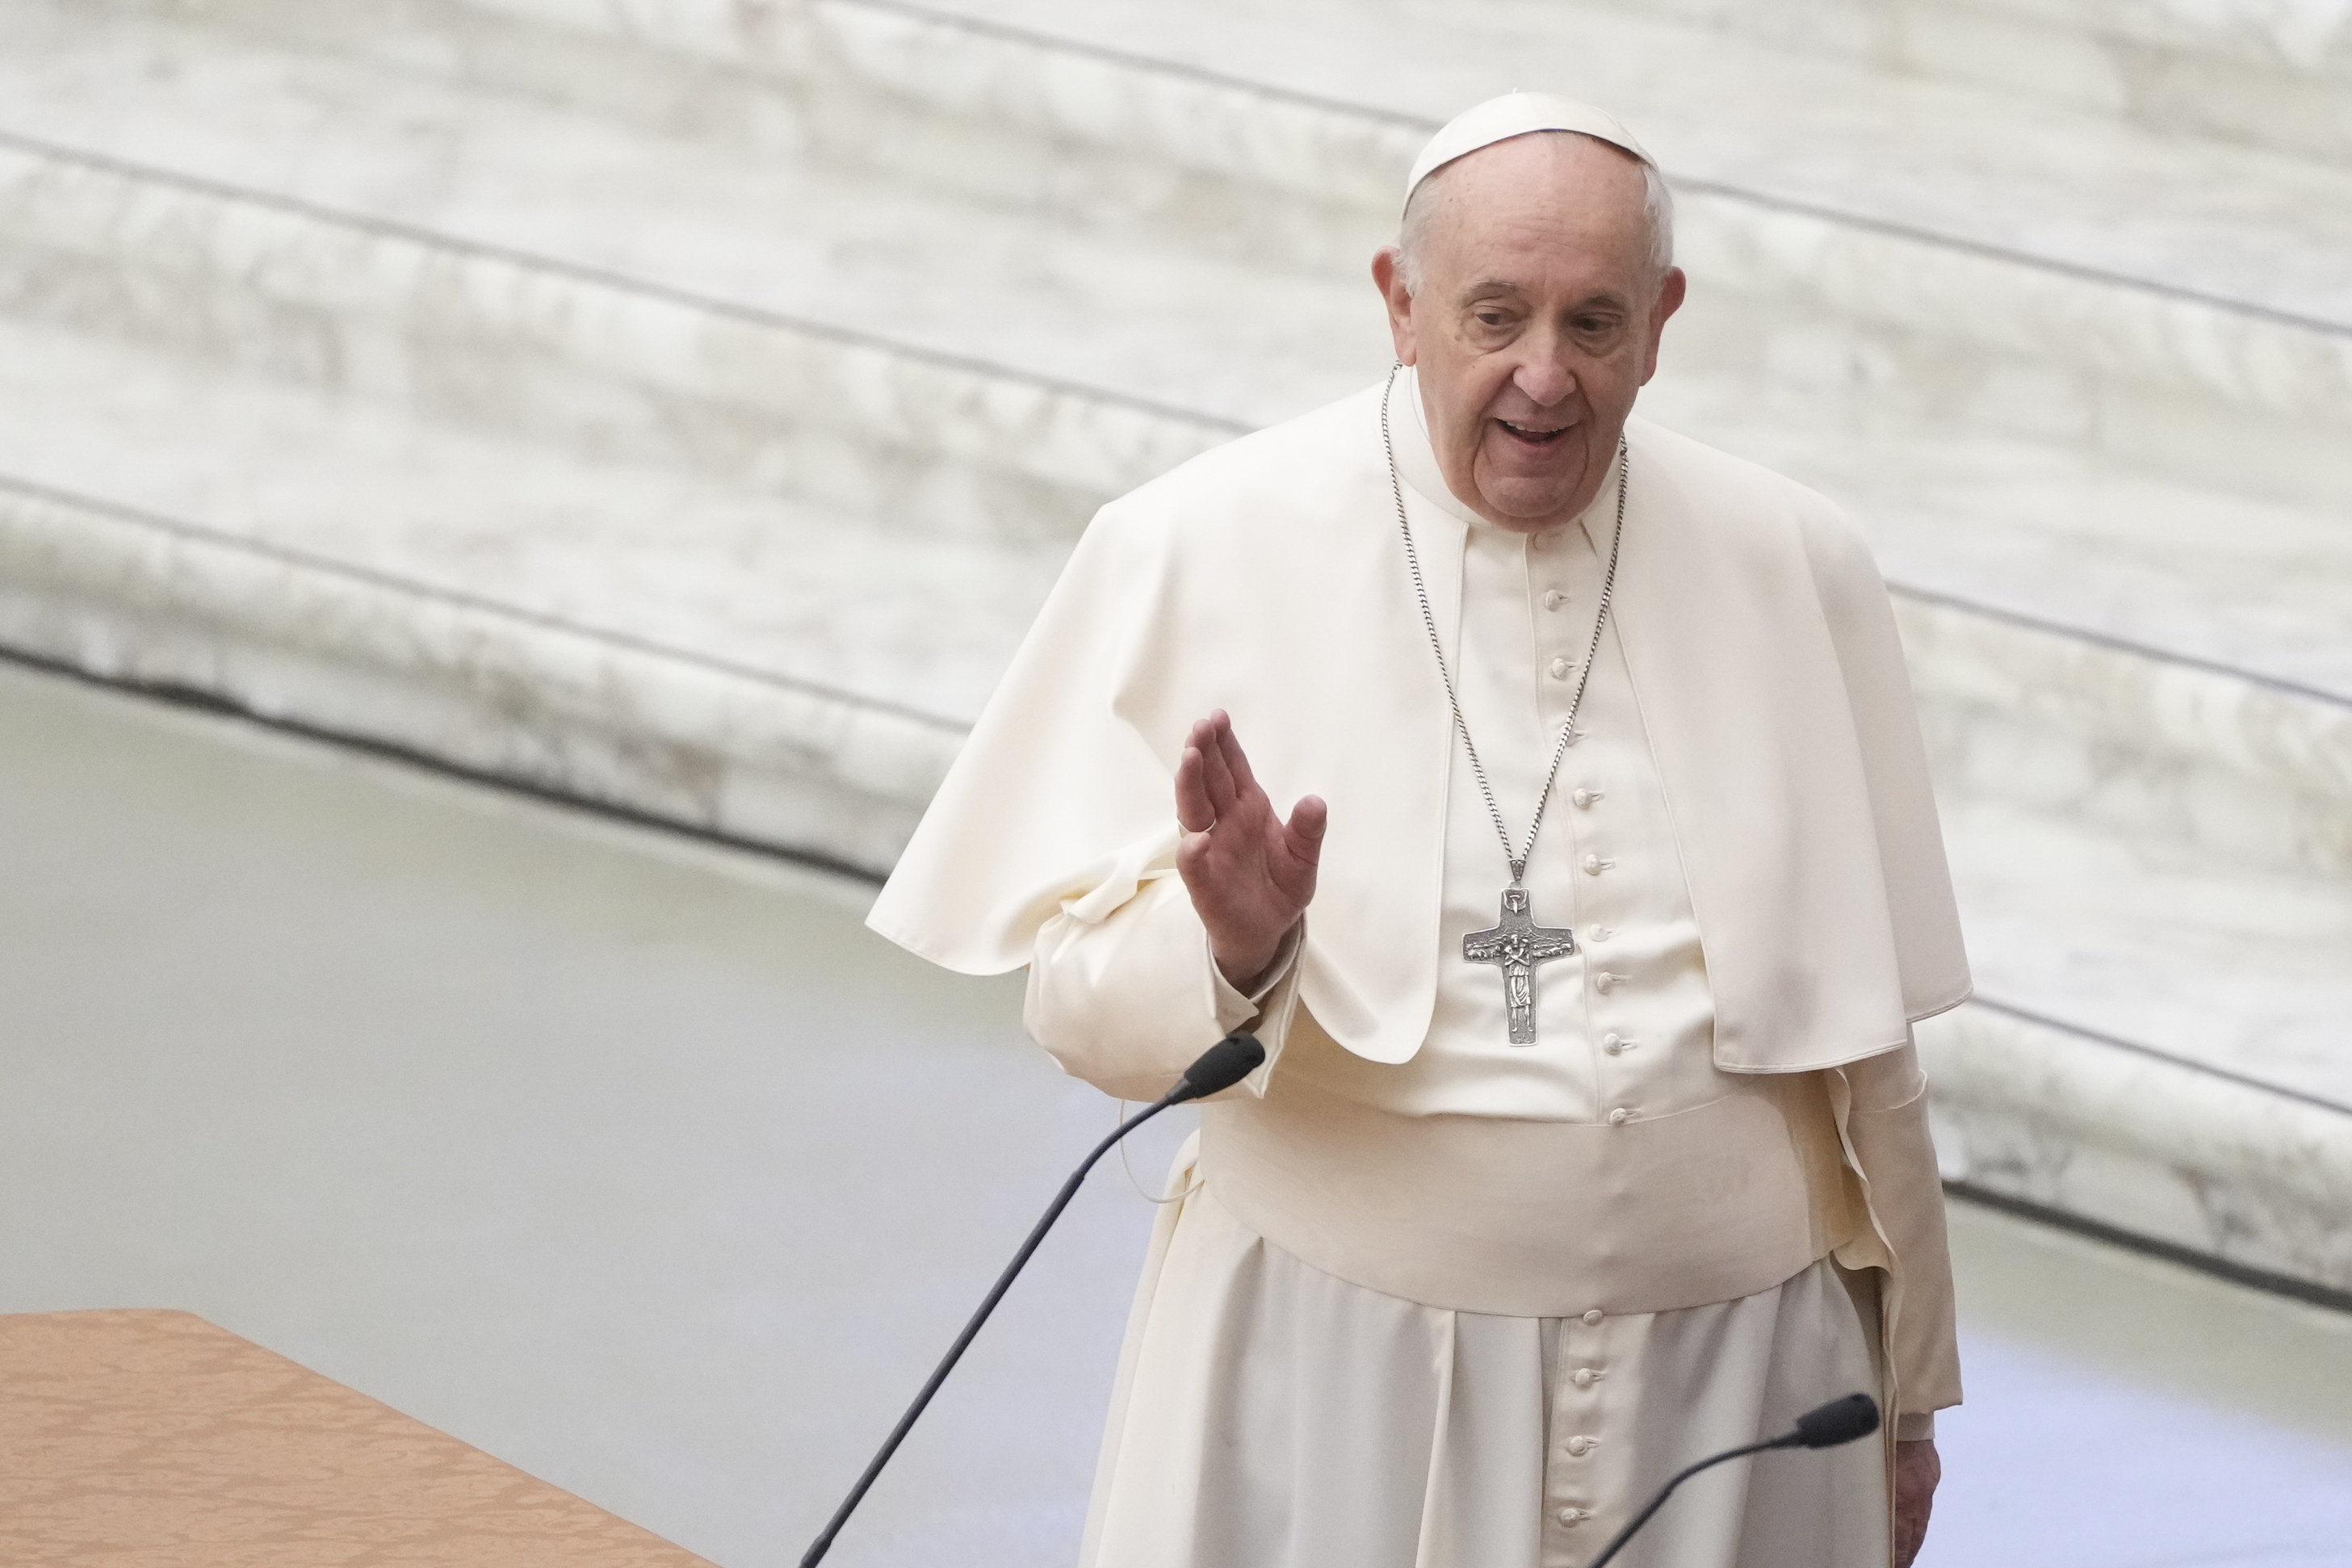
(1544, 380)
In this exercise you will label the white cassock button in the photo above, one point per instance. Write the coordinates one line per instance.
(1584, 799)
(1559, 669)
(1571, 1515)
(1599, 934)
(1612, 1043)
(1583, 1378)
(1592, 1319)
(1539, 541)
(1605, 982)
(1619, 1117)
(1553, 599)
(1594, 864)
(1579, 1446)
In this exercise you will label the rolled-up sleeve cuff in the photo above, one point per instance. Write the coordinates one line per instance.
(1265, 1012)
(1232, 1008)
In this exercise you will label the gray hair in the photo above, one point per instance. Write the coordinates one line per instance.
(1657, 212)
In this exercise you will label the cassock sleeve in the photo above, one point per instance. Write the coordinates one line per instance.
(1127, 999)
(1886, 1132)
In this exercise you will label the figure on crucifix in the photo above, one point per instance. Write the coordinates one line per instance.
(1519, 945)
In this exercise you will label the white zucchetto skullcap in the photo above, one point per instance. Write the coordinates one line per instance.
(1516, 114)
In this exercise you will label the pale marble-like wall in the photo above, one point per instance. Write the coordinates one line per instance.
(684, 405)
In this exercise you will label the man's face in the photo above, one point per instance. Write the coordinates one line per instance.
(1538, 320)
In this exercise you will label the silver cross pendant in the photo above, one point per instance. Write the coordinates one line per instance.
(1519, 945)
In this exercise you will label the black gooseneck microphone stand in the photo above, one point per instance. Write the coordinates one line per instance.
(1220, 1066)
(1840, 1421)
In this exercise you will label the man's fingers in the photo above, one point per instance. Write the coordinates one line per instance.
(1194, 813)
(1215, 776)
(1308, 820)
(1296, 860)
(1236, 760)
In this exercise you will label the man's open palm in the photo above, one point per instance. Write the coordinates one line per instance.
(1251, 874)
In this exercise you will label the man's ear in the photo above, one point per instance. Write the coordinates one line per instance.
(1672, 288)
(1388, 275)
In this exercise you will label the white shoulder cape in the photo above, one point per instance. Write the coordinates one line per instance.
(1267, 578)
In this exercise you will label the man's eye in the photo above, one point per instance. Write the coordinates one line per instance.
(1491, 318)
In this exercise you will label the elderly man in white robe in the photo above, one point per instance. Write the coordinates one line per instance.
(1590, 1138)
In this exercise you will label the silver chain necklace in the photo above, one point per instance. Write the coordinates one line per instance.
(1516, 944)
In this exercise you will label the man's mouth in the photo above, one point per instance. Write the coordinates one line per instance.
(1534, 436)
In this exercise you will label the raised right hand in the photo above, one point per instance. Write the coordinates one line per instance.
(1251, 874)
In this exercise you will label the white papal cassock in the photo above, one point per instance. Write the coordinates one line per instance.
(1427, 1297)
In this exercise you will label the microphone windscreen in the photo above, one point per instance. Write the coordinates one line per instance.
(1838, 1421)
(1220, 1066)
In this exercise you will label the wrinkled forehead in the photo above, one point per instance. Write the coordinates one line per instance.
(1513, 115)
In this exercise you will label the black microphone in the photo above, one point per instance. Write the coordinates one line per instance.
(1220, 1066)
(1838, 1422)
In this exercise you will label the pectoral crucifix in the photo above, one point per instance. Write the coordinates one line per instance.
(1519, 945)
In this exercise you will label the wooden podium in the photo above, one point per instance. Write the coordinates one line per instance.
(153, 1437)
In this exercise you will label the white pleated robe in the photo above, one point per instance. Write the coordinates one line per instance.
(1269, 1416)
